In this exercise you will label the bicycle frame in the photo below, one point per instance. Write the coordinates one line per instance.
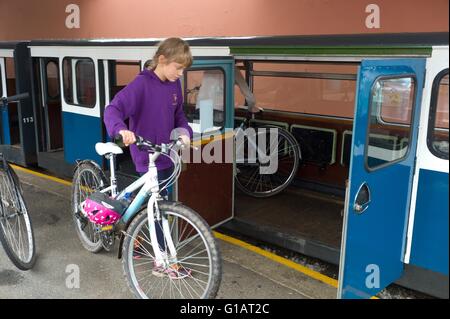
(148, 184)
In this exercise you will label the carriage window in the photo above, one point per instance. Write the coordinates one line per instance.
(388, 143)
(122, 72)
(396, 101)
(85, 76)
(79, 77)
(52, 80)
(438, 142)
(310, 88)
(126, 71)
(204, 99)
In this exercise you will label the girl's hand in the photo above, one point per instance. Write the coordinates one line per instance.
(128, 137)
(186, 140)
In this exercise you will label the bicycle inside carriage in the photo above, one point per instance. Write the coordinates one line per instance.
(313, 101)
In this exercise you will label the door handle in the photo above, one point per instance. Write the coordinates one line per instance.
(362, 199)
(359, 208)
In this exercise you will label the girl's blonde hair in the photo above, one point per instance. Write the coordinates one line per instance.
(174, 50)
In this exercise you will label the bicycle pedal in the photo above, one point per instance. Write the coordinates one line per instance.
(108, 240)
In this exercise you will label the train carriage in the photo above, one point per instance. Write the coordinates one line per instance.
(17, 133)
(370, 115)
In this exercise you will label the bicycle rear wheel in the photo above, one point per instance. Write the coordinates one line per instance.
(198, 257)
(16, 231)
(249, 177)
(87, 179)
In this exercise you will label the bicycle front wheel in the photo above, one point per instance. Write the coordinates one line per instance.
(16, 232)
(195, 272)
(250, 177)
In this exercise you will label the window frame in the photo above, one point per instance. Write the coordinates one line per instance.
(369, 114)
(432, 115)
(74, 69)
(225, 88)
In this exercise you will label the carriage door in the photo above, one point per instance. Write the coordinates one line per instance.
(51, 105)
(381, 173)
(206, 185)
(81, 109)
(4, 123)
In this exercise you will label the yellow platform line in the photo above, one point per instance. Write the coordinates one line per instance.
(234, 241)
(284, 261)
(54, 179)
(281, 260)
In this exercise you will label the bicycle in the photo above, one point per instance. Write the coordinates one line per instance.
(188, 243)
(254, 153)
(252, 177)
(266, 143)
(16, 231)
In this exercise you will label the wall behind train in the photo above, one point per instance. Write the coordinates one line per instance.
(47, 19)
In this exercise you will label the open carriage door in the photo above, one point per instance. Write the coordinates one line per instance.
(4, 119)
(51, 109)
(381, 174)
(206, 185)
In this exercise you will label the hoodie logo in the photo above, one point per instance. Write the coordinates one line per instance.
(174, 99)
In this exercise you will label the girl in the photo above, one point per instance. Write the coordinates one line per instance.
(153, 105)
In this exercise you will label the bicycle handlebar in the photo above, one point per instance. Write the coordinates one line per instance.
(15, 98)
(140, 141)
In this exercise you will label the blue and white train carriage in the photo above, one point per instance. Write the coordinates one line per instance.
(368, 109)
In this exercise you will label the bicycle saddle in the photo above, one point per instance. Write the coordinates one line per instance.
(107, 148)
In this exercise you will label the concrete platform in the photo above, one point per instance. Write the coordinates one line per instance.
(246, 274)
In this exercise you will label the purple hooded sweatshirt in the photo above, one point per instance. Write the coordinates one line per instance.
(154, 109)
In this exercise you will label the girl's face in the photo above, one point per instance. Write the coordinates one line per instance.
(171, 71)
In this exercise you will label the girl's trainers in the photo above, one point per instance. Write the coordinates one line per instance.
(137, 254)
(173, 272)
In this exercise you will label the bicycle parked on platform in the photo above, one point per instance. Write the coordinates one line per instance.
(16, 231)
(185, 263)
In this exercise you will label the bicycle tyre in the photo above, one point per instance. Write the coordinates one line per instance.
(186, 214)
(94, 179)
(246, 185)
(12, 199)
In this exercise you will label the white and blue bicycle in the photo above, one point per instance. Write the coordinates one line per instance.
(168, 250)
